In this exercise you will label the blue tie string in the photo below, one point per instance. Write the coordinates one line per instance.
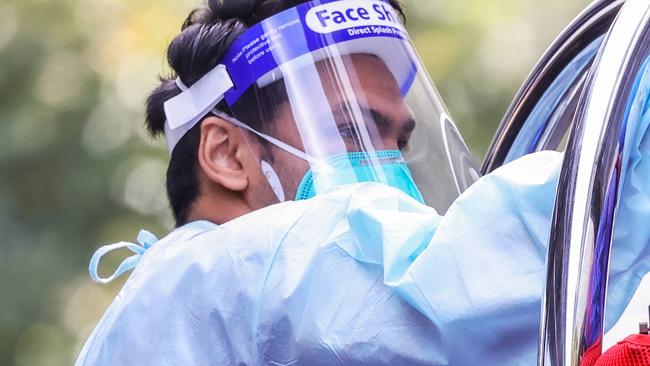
(145, 239)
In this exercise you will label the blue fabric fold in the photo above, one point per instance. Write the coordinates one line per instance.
(631, 250)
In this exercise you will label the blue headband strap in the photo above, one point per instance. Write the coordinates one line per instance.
(304, 29)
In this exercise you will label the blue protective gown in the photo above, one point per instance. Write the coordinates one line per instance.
(271, 288)
(361, 275)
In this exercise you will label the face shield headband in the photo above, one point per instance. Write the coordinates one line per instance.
(303, 33)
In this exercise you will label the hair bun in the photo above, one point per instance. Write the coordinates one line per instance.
(233, 9)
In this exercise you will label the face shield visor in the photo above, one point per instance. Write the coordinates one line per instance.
(337, 95)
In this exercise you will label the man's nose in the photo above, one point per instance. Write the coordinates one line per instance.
(390, 141)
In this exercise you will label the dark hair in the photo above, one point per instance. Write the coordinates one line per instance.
(206, 35)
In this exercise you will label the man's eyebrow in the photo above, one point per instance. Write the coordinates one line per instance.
(380, 119)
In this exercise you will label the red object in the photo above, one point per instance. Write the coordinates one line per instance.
(590, 357)
(632, 351)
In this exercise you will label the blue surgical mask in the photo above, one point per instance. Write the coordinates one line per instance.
(386, 166)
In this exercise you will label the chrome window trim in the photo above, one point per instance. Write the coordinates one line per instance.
(572, 319)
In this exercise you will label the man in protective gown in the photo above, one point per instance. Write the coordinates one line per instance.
(315, 177)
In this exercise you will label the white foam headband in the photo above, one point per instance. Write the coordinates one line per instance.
(185, 110)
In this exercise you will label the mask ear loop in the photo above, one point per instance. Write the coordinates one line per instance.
(282, 145)
(267, 169)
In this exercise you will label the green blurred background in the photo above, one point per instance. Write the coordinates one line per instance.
(77, 169)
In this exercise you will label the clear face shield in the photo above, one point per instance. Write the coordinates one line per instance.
(337, 95)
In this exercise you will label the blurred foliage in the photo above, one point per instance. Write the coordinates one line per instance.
(77, 169)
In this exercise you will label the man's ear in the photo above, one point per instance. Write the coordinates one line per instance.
(222, 153)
